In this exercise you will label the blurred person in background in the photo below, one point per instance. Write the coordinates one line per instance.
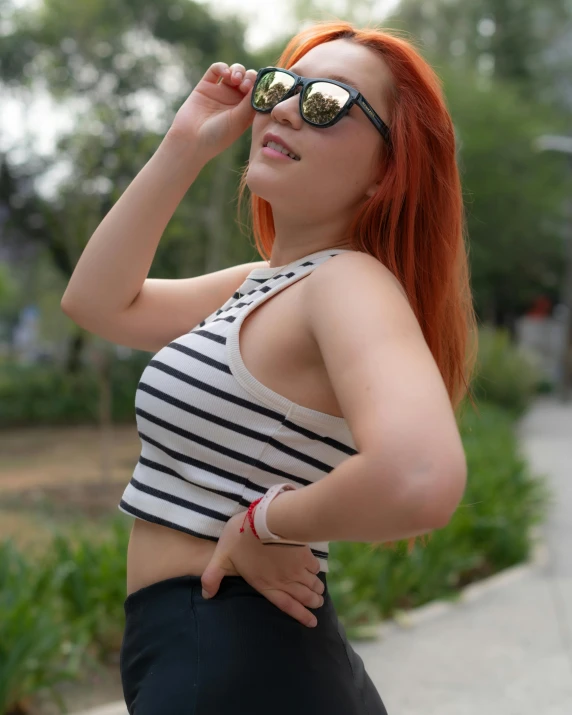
(332, 417)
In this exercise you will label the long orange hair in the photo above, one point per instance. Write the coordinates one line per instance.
(415, 224)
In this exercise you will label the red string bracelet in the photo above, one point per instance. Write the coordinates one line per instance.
(250, 515)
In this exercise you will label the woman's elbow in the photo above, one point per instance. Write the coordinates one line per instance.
(447, 491)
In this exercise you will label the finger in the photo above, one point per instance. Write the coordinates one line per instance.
(246, 84)
(216, 72)
(312, 563)
(237, 67)
(304, 594)
(291, 606)
(248, 81)
(309, 577)
(237, 73)
(212, 576)
(312, 581)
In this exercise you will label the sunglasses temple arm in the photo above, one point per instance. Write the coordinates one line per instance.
(370, 112)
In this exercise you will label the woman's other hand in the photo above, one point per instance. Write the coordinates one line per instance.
(285, 575)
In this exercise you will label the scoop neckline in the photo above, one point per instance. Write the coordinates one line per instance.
(271, 270)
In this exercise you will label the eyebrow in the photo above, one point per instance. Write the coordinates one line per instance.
(339, 78)
(345, 80)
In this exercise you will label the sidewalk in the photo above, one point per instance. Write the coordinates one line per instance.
(509, 650)
(506, 648)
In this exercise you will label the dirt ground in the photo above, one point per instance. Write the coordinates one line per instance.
(47, 477)
(47, 456)
(46, 473)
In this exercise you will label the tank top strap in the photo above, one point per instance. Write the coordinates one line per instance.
(278, 275)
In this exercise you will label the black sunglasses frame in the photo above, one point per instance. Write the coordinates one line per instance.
(355, 97)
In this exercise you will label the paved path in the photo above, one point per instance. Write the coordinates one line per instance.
(507, 650)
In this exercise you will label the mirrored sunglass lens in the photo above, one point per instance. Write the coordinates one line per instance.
(271, 88)
(323, 101)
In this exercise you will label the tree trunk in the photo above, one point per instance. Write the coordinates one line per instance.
(215, 211)
(75, 352)
(103, 366)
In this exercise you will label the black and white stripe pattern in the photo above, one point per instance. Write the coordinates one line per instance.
(213, 437)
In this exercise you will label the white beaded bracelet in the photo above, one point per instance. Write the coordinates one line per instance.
(264, 533)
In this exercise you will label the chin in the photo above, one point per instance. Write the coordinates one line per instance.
(267, 182)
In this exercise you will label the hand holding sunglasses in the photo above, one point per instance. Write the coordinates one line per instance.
(218, 110)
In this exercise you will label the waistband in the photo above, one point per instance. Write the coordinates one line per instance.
(230, 586)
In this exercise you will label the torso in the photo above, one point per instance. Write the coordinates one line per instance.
(292, 366)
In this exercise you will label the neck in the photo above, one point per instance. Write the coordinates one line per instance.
(295, 240)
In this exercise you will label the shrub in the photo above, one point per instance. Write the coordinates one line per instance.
(45, 394)
(92, 586)
(38, 649)
(504, 374)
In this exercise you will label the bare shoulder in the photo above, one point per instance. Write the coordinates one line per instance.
(356, 263)
(360, 282)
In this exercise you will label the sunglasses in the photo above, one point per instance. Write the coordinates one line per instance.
(323, 102)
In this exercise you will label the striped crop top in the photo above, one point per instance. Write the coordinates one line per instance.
(213, 437)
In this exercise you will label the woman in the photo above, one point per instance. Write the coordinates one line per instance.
(353, 374)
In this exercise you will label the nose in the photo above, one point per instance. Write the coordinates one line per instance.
(288, 112)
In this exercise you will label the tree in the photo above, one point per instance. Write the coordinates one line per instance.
(125, 67)
(513, 196)
(517, 40)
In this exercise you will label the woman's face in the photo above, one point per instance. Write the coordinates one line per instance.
(339, 164)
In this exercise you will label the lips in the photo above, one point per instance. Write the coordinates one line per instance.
(269, 137)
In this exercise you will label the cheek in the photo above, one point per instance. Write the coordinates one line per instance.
(345, 162)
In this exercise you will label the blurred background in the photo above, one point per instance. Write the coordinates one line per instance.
(87, 91)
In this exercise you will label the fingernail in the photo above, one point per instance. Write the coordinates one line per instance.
(247, 84)
(313, 623)
(237, 75)
(205, 594)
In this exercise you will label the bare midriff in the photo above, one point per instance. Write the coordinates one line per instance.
(158, 552)
(292, 366)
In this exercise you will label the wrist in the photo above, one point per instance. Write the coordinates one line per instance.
(184, 149)
(277, 514)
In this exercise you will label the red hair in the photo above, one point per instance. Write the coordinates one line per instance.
(415, 224)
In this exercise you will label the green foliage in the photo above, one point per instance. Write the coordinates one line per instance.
(38, 649)
(462, 33)
(7, 287)
(514, 195)
(45, 394)
(92, 587)
(489, 531)
(504, 89)
(127, 60)
(505, 375)
(38, 394)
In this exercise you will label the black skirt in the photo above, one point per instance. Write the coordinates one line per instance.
(237, 654)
